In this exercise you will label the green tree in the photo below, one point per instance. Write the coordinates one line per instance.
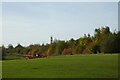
(19, 49)
(4, 51)
(117, 40)
(60, 47)
(99, 37)
(11, 49)
(110, 44)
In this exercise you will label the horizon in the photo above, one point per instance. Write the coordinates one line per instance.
(36, 22)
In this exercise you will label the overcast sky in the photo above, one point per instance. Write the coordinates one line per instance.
(34, 22)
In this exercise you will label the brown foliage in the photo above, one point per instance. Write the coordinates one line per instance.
(67, 51)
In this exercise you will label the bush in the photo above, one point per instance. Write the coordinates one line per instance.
(67, 51)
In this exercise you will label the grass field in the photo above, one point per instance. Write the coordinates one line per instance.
(74, 66)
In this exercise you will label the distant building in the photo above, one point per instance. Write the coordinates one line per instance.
(51, 40)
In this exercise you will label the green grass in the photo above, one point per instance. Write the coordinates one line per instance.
(74, 66)
(13, 57)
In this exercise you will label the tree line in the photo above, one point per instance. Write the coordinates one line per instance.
(103, 41)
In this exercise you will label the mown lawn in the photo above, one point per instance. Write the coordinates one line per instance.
(74, 66)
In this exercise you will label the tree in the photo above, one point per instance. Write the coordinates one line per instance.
(117, 40)
(60, 47)
(19, 49)
(102, 41)
(105, 30)
(10, 46)
(97, 33)
(95, 48)
(67, 51)
(100, 35)
(11, 49)
(26, 50)
(110, 44)
(50, 51)
(84, 42)
(4, 51)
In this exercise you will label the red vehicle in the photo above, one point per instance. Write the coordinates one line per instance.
(36, 56)
(32, 57)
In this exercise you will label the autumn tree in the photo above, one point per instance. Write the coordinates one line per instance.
(67, 51)
(50, 51)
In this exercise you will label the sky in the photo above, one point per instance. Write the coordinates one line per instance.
(35, 22)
